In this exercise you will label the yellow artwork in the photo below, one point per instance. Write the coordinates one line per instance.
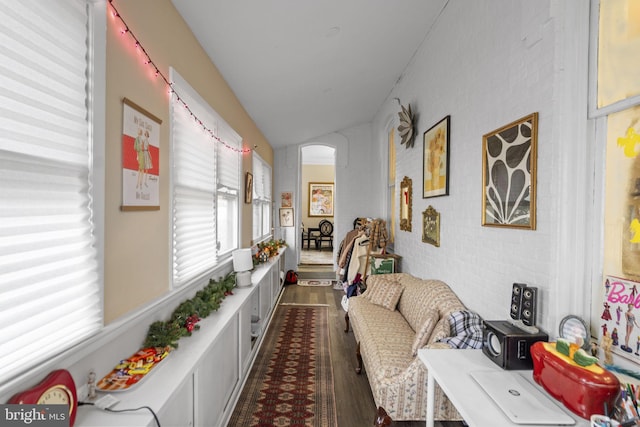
(622, 195)
(630, 142)
(436, 160)
(433, 158)
(635, 229)
(618, 47)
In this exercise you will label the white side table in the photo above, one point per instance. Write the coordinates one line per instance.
(450, 368)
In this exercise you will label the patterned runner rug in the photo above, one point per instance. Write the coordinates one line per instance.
(316, 282)
(291, 382)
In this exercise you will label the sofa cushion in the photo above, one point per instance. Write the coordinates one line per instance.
(385, 338)
(421, 297)
(372, 283)
(466, 330)
(386, 295)
(423, 334)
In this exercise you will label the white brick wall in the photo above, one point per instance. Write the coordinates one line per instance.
(486, 63)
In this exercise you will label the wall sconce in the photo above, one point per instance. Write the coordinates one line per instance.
(242, 265)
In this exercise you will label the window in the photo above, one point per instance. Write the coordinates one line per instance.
(261, 199)
(391, 188)
(615, 109)
(205, 184)
(618, 44)
(50, 286)
(228, 192)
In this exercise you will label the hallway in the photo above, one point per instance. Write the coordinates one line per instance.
(354, 401)
(316, 257)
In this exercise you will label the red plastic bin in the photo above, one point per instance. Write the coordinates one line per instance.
(583, 390)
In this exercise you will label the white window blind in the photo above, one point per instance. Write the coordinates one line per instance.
(228, 189)
(261, 198)
(194, 186)
(206, 184)
(50, 296)
(229, 161)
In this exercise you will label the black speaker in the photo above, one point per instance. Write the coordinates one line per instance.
(516, 300)
(529, 306)
(509, 346)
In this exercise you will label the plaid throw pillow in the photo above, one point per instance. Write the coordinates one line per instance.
(466, 330)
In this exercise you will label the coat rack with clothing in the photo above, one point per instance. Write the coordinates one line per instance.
(368, 237)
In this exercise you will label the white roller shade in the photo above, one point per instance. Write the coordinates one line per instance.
(50, 295)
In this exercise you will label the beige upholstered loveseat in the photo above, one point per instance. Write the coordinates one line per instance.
(397, 315)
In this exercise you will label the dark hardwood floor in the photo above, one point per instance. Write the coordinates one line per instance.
(354, 401)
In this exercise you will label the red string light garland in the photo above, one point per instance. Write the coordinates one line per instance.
(158, 73)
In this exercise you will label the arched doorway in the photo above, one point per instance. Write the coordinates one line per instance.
(317, 191)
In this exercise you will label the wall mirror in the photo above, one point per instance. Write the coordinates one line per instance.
(574, 329)
(405, 204)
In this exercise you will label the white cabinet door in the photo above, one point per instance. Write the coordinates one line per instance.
(275, 283)
(244, 317)
(179, 410)
(265, 297)
(217, 376)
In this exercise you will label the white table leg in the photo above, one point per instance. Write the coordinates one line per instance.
(430, 399)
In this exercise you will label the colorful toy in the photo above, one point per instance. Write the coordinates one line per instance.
(582, 385)
(131, 371)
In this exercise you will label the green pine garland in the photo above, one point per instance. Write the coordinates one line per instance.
(184, 318)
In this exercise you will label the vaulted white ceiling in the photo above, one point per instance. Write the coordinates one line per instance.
(306, 68)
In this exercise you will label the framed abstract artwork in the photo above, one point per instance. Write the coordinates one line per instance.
(509, 175)
(435, 161)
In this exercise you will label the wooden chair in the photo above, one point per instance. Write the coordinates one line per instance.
(382, 419)
(326, 234)
(305, 236)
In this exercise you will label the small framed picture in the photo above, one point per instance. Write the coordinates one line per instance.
(321, 199)
(431, 226)
(286, 217)
(248, 188)
(286, 199)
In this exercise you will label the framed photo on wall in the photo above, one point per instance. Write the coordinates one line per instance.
(286, 199)
(431, 226)
(320, 199)
(435, 161)
(286, 217)
(140, 158)
(248, 188)
(509, 174)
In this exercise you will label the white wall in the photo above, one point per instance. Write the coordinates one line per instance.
(359, 179)
(487, 64)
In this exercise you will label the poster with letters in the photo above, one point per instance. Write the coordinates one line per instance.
(620, 316)
(140, 158)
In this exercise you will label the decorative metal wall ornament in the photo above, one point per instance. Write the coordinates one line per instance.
(405, 128)
(431, 226)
